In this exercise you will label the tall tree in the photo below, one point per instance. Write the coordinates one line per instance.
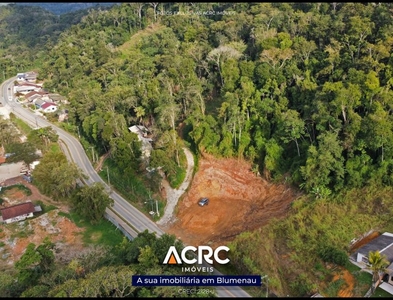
(57, 177)
(378, 263)
(91, 202)
(25, 152)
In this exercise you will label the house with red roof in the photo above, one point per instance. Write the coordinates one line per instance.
(18, 212)
(49, 107)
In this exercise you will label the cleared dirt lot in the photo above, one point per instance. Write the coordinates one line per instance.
(239, 201)
(16, 236)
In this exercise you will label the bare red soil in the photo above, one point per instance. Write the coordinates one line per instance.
(239, 201)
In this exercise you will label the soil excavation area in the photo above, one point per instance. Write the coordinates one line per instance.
(238, 201)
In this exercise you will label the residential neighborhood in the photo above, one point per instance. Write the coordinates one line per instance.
(28, 91)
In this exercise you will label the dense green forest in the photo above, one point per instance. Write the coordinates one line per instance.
(27, 33)
(301, 90)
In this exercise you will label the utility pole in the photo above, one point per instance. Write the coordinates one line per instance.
(107, 171)
(92, 153)
(158, 213)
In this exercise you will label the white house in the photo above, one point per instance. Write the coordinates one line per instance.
(20, 76)
(18, 212)
(48, 107)
(27, 88)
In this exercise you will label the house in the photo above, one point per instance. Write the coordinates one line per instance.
(20, 76)
(26, 88)
(143, 136)
(56, 98)
(31, 76)
(48, 107)
(18, 212)
(28, 76)
(383, 244)
(39, 102)
(31, 96)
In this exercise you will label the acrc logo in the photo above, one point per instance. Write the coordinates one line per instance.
(173, 258)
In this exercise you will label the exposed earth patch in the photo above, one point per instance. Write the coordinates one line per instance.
(239, 201)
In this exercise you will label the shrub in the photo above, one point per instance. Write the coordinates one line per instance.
(333, 255)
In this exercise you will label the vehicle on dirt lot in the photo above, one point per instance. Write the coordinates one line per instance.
(203, 202)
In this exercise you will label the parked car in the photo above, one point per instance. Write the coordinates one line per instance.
(203, 202)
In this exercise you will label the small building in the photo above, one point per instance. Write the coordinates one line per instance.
(31, 76)
(18, 212)
(48, 107)
(32, 96)
(39, 102)
(27, 87)
(56, 98)
(28, 76)
(20, 76)
(143, 136)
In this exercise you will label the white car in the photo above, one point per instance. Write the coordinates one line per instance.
(10, 98)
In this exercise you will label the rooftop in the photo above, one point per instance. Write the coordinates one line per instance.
(17, 210)
(47, 104)
(382, 243)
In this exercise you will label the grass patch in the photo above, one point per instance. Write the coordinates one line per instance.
(21, 230)
(176, 179)
(2, 244)
(103, 233)
(134, 189)
(362, 279)
(54, 148)
(19, 186)
(334, 287)
(26, 129)
(64, 214)
(380, 293)
(45, 207)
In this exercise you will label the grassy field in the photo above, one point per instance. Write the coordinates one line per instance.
(26, 129)
(104, 233)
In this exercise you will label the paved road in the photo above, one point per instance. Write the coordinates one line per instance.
(138, 221)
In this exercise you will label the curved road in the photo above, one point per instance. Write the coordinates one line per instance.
(121, 207)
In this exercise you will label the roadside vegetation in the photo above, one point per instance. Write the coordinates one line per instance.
(106, 271)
